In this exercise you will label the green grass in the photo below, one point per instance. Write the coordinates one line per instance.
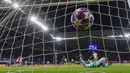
(124, 68)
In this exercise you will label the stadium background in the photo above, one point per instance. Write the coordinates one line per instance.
(28, 40)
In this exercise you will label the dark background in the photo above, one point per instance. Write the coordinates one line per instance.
(25, 38)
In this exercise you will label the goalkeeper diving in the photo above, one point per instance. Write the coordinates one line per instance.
(101, 62)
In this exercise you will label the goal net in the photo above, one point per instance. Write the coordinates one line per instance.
(37, 36)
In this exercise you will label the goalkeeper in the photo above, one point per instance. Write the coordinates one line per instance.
(100, 62)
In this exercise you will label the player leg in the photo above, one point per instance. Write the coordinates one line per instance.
(84, 64)
(101, 62)
(106, 64)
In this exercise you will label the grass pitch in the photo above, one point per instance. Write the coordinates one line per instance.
(116, 68)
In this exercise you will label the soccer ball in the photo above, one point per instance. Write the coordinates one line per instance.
(82, 18)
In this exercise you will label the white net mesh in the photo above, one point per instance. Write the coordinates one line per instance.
(40, 31)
